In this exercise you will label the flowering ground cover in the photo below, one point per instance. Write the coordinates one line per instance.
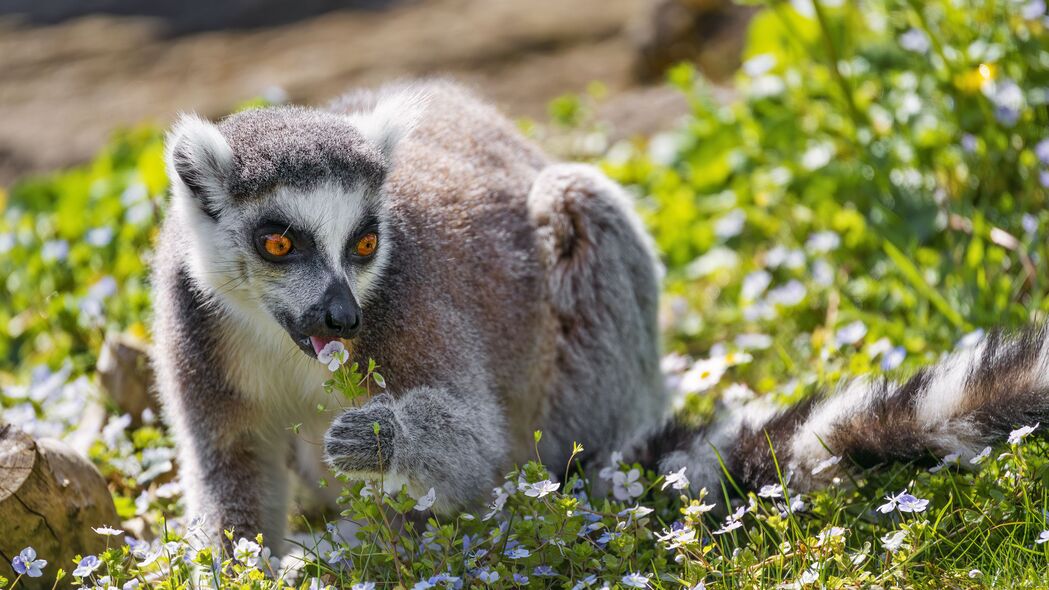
(872, 199)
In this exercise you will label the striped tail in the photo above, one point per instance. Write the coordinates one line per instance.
(971, 399)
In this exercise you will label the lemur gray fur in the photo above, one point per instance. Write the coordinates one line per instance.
(507, 293)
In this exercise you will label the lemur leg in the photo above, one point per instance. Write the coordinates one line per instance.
(427, 437)
(235, 478)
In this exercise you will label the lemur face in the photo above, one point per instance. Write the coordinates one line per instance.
(285, 211)
(308, 258)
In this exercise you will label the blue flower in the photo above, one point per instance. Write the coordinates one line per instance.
(1041, 149)
(893, 358)
(88, 564)
(544, 570)
(26, 563)
(520, 579)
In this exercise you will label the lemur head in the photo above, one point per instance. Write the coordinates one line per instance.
(284, 213)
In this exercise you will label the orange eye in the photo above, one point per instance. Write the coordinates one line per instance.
(367, 244)
(277, 245)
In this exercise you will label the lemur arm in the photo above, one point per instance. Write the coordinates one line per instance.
(428, 437)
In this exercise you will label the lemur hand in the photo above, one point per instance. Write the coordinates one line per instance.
(352, 443)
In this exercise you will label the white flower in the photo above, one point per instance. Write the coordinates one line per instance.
(753, 341)
(825, 464)
(703, 375)
(851, 333)
(635, 580)
(334, 355)
(771, 491)
(54, 250)
(676, 479)
(822, 273)
(810, 575)
(1033, 9)
(788, 295)
(754, 284)
(106, 530)
(822, 242)
(625, 486)
(1017, 436)
(613, 466)
(730, 225)
(677, 538)
(637, 512)
(975, 573)
(99, 236)
(949, 459)
(759, 64)
(540, 488)
(247, 552)
(893, 541)
(797, 504)
(737, 393)
(831, 533)
(818, 155)
(781, 256)
(1042, 537)
(426, 501)
(915, 40)
(715, 259)
(986, 452)
(695, 509)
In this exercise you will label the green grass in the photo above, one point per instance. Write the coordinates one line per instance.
(872, 197)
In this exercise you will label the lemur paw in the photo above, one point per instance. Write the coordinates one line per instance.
(352, 445)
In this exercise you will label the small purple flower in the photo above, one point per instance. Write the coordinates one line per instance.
(969, 142)
(915, 40)
(1043, 178)
(893, 358)
(544, 570)
(26, 563)
(1041, 149)
(520, 579)
(88, 564)
(1033, 9)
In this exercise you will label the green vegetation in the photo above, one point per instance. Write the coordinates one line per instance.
(873, 197)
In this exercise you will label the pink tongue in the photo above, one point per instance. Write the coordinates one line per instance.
(319, 343)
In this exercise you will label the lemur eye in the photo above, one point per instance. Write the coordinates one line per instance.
(277, 245)
(367, 244)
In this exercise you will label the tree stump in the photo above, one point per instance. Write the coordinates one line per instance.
(50, 498)
(126, 375)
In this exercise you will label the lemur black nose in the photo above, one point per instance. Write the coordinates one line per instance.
(338, 320)
(342, 315)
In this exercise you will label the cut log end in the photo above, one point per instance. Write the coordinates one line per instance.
(50, 498)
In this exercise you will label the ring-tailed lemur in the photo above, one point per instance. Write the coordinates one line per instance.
(500, 292)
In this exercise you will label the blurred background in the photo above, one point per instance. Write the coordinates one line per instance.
(72, 70)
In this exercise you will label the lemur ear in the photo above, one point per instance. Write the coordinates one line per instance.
(394, 115)
(199, 159)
